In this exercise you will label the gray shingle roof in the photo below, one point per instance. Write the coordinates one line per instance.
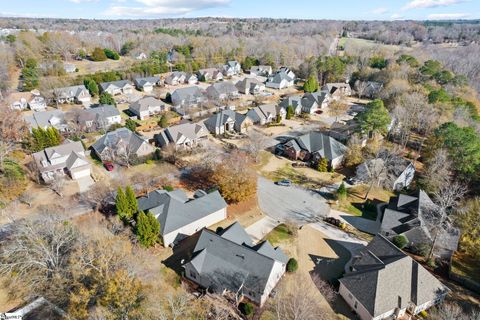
(73, 149)
(43, 119)
(224, 87)
(118, 84)
(316, 142)
(174, 210)
(140, 82)
(144, 103)
(227, 264)
(111, 140)
(97, 113)
(70, 92)
(382, 273)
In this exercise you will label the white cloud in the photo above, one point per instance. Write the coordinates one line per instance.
(164, 7)
(448, 16)
(416, 4)
(396, 16)
(380, 11)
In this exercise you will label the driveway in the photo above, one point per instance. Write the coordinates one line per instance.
(291, 204)
(261, 228)
(85, 183)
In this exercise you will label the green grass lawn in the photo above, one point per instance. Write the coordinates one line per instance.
(281, 233)
(314, 180)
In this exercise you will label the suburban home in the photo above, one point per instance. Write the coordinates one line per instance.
(117, 87)
(294, 101)
(406, 215)
(261, 71)
(312, 102)
(250, 86)
(185, 135)
(344, 130)
(232, 68)
(187, 96)
(284, 78)
(395, 172)
(369, 89)
(338, 90)
(67, 158)
(175, 78)
(74, 94)
(228, 121)
(266, 113)
(385, 283)
(24, 100)
(146, 107)
(146, 84)
(222, 91)
(314, 146)
(180, 216)
(211, 74)
(99, 118)
(227, 262)
(123, 145)
(69, 68)
(45, 119)
(191, 78)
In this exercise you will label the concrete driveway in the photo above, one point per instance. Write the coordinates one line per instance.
(291, 204)
(85, 183)
(261, 228)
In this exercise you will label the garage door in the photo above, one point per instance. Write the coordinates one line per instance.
(80, 174)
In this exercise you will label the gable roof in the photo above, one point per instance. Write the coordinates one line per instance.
(382, 273)
(73, 149)
(70, 92)
(326, 146)
(112, 139)
(118, 84)
(144, 103)
(98, 113)
(140, 82)
(247, 84)
(175, 210)
(188, 93)
(224, 87)
(229, 264)
(43, 119)
(191, 131)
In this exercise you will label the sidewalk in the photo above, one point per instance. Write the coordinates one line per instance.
(261, 228)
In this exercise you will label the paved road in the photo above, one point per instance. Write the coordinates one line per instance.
(292, 204)
(261, 228)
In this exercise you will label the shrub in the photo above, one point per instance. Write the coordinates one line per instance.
(131, 125)
(147, 229)
(168, 188)
(111, 54)
(246, 308)
(400, 241)
(98, 55)
(342, 192)
(292, 265)
(322, 165)
(106, 98)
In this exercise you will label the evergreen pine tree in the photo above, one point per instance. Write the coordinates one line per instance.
(131, 202)
(342, 192)
(311, 85)
(290, 112)
(322, 165)
(147, 229)
(121, 204)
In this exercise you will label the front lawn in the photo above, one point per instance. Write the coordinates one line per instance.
(466, 266)
(306, 177)
(280, 233)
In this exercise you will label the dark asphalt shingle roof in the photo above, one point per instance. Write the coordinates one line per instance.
(326, 146)
(382, 273)
(111, 140)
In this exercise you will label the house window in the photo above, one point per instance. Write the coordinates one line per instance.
(355, 304)
(399, 302)
(193, 275)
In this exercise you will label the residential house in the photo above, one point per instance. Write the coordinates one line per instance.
(250, 86)
(232, 68)
(185, 135)
(187, 96)
(121, 145)
(117, 87)
(229, 263)
(74, 94)
(22, 100)
(146, 84)
(191, 78)
(69, 68)
(211, 74)
(261, 71)
(228, 121)
(45, 119)
(344, 130)
(223, 90)
(147, 107)
(294, 101)
(314, 146)
(406, 215)
(175, 78)
(385, 283)
(284, 78)
(180, 216)
(100, 117)
(338, 90)
(312, 102)
(369, 89)
(67, 158)
(266, 113)
(392, 171)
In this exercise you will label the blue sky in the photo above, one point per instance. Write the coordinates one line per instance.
(302, 9)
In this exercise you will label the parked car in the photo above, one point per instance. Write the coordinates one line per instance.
(284, 183)
(109, 166)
